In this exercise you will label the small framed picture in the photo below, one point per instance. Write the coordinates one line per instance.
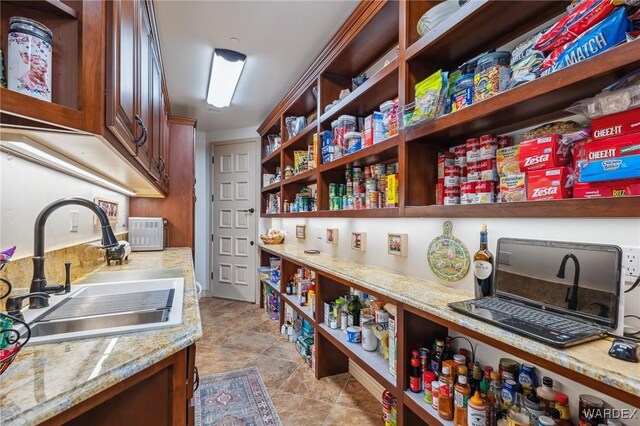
(397, 244)
(109, 207)
(301, 232)
(359, 241)
(332, 236)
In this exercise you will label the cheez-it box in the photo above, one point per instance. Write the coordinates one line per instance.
(549, 184)
(622, 123)
(542, 153)
(620, 146)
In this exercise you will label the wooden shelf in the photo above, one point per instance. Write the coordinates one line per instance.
(382, 212)
(50, 6)
(273, 286)
(426, 412)
(310, 176)
(373, 364)
(381, 87)
(479, 26)
(302, 310)
(300, 140)
(272, 187)
(274, 157)
(292, 214)
(48, 112)
(594, 207)
(380, 152)
(533, 102)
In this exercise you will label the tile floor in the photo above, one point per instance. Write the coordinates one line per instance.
(299, 398)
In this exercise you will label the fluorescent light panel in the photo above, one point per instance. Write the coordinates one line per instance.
(225, 73)
(46, 158)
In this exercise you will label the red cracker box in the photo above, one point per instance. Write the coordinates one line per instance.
(620, 188)
(542, 153)
(444, 160)
(620, 146)
(622, 123)
(549, 184)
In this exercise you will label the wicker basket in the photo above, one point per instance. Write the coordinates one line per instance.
(272, 240)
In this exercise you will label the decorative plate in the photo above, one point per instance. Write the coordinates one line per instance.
(448, 256)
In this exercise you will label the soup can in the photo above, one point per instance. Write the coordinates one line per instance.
(354, 334)
(29, 58)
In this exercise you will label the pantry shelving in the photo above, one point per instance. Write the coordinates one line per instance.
(51, 6)
(422, 316)
(306, 177)
(374, 364)
(304, 311)
(374, 30)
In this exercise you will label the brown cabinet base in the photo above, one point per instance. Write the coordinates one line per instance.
(159, 395)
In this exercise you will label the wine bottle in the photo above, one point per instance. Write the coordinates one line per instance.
(483, 266)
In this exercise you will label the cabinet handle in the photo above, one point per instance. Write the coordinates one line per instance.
(143, 137)
(160, 165)
(166, 179)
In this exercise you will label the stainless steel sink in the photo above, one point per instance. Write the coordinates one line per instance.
(109, 307)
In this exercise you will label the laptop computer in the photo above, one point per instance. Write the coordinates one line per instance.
(558, 293)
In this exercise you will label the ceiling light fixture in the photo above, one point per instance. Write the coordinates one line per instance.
(226, 68)
(24, 149)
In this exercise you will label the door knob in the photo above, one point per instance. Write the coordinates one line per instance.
(251, 210)
(252, 243)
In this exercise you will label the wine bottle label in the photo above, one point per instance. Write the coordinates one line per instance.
(482, 269)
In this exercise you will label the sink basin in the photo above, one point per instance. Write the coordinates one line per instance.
(108, 308)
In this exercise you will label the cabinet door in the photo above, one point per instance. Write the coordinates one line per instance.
(164, 147)
(145, 88)
(157, 111)
(122, 16)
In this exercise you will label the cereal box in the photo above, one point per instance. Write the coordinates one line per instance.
(513, 188)
(507, 160)
(548, 184)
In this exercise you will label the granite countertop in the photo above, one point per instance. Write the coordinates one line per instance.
(589, 359)
(48, 379)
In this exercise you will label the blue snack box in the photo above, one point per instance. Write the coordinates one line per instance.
(610, 169)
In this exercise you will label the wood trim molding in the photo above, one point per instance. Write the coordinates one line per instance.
(174, 119)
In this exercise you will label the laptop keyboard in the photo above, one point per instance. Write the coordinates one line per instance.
(536, 321)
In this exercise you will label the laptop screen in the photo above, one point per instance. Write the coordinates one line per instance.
(581, 279)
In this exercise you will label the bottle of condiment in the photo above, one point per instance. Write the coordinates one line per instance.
(414, 374)
(438, 347)
(534, 406)
(353, 311)
(546, 393)
(477, 411)
(516, 413)
(311, 298)
(483, 391)
(590, 409)
(428, 377)
(445, 398)
(483, 266)
(461, 394)
(435, 391)
(446, 354)
(562, 405)
(493, 398)
(476, 377)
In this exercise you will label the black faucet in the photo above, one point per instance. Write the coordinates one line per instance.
(14, 303)
(39, 282)
(572, 292)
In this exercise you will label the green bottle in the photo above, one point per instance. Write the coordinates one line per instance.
(353, 311)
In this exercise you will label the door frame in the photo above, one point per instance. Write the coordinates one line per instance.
(256, 215)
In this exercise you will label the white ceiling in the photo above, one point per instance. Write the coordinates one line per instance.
(280, 39)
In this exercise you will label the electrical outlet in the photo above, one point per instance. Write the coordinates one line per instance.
(631, 262)
(73, 217)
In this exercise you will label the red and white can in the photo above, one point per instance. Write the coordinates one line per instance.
(485, 192)
(472, 147)
(467, 192)
(488, 170)
(452, 196)
(504, 141)
(439, 194)
(460, 151)
(451, 176)
(473, 171)
(488, 146)
(444, 160)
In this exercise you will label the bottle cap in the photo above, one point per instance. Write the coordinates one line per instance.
(547, 381)
(415, 362)
(462, 379)
(562, 398)
(476, 400)
(494, 375)
(459, 359)
(462, 370)
(445, 370)
(484, 385)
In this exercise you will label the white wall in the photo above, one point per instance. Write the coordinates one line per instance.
(623, 232)
(26, 188)
(202, 160)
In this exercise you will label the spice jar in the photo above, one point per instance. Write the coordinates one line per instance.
(589, 406)
(491, 75)
(29, 58)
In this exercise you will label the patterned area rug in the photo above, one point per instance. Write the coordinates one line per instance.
(234, 398)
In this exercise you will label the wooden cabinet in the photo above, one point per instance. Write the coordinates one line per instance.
(121, 80)
(158, 395)
(157, 110)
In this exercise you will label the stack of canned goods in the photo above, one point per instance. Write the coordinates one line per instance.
(305, 201)
(368, 187)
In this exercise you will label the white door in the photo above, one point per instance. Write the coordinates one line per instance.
(234, 225)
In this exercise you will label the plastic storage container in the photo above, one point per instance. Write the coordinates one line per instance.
(491, 75)
(353, 142)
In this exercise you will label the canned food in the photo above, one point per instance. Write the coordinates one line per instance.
(488, 169)
(444, 160)
(460, 152)
(485, 193)
(451, 195)
(473, 171)
(488, 146)
(472, 147)
(451, 176)
(504, 141)
(589, 406)
(467, 192)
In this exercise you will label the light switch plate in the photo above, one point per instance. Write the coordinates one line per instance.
(73, 217)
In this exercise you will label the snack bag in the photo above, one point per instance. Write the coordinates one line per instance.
(429, 94)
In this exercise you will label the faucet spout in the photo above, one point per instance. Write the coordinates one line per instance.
(572, 292)
(39, 282)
